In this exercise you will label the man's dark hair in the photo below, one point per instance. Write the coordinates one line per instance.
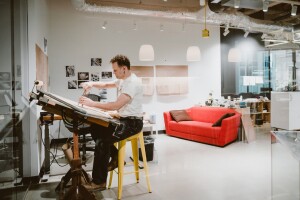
(121, 60)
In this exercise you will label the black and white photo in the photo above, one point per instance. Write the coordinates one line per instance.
(5, 85)
(4, 76)
(106, 75)
(95, 76)
(72, 84)
(19, 72)
(18, 85)
(96, 61)
(70, 70)
(83, 76)
(79, 82)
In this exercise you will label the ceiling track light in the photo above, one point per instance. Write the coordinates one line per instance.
(226, 32)
(104, 25)
(294, 10)
(263, 36)
(265, 5)
(237, 3)
(246, 34)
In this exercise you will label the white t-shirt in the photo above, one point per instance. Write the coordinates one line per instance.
(133, 87)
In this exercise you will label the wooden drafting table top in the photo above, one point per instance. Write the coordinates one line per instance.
(52, 103)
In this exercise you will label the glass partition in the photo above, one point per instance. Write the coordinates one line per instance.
(285, 168)
(275, 69)
(13, 102)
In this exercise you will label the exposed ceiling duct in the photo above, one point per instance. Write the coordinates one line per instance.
(233, 18)
(192, 17)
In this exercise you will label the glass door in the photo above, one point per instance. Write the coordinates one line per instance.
(13, 103)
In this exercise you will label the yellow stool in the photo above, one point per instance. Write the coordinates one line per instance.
(121, 155)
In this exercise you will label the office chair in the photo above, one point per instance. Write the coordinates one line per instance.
(83, 130)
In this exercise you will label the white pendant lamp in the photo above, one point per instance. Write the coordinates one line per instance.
(193, 54)
(234, 55)
(146, 53)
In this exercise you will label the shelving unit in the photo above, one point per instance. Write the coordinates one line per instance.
(260, 112)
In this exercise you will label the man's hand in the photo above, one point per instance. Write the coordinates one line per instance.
(86, 101)
(87, 86)
(114, 114)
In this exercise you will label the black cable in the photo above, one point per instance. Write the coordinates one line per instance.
(56, 145)
(54, 158)
(66, 121)
(69, 122)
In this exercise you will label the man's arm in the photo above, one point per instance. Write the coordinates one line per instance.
(122, 100)
(100, 85)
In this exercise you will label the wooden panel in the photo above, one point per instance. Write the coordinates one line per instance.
(41, 67)
(171, 71)
(143, 71)
(172, 80)
(248, 128)
(146, 73)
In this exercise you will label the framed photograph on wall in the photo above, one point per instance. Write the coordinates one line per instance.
(83, 76)
(19, 71)
(5, 85)
(106, 75)
(95, 76)
(72, 84)
(18, 85)
(45, 45)
(79, 82)
(4, 76)
(96, 61)
(70, 70)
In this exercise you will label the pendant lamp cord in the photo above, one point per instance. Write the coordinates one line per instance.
(205, 15)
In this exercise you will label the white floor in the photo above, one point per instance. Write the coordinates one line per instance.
(189, 170)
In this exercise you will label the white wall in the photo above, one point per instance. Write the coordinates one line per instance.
(76, 37)
(37, 30)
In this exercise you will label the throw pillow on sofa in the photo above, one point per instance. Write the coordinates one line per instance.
(180, 115)
(219, 121)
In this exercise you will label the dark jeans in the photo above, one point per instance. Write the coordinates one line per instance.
(105, 137)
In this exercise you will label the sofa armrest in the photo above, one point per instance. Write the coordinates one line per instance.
(167, 119)
(229, 128)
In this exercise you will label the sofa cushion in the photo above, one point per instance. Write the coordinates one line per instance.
(219, 121)
(180, 115)
(195, 128)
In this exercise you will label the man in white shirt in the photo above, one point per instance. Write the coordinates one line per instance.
(129, 107)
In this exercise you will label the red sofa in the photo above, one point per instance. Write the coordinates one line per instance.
(200, 129)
